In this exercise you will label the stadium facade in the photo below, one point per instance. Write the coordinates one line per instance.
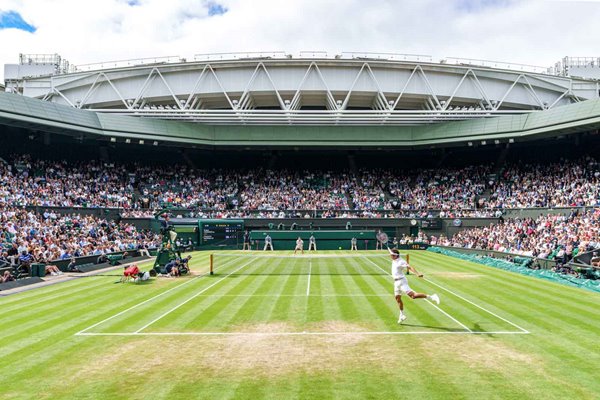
(310, 100)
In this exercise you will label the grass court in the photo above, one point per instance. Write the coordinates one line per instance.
(314, 326)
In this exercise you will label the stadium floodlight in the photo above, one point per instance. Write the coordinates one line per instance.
(470, 144)
(127, 140)
(511, 140)
(113, 139)
(141, 141)
(483, 142)
(496, 141)
(155, 143)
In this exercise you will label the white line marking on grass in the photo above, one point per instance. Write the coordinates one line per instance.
(442, 311)
(478, 306)
(309, 271)
(191, 298)
(301, 333)
(139, 304)
(298, 295)
(451, 317)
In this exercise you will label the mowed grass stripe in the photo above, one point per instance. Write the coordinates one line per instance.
(184, 301)
(526, 293)
(540, 316)
(286, 306)
(189, 317)
(170, 292)
(40, 343)
(212, 306)
(343, 284)
(236, 312)
(585, 299)
(9, 311)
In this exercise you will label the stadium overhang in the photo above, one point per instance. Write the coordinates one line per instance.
(33, 114)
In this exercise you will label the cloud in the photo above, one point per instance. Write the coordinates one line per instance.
(528, 32)
(12, 19)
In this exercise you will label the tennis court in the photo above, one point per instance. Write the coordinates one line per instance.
(320, 326)
(328, 294)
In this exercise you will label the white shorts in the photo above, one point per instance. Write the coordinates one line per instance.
(298, 248)
(401, 287)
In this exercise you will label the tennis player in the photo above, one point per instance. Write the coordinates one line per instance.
(399, 268)
(312, 243)
(299, 245)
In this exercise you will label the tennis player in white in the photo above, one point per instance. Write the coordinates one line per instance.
(399, 268)
(299, 245)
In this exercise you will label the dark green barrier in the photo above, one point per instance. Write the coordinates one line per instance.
(38, 270)
(521, 269)
(326, 240)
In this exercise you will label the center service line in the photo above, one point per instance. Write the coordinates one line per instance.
(191, 298)
(309, 271)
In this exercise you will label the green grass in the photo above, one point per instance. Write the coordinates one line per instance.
(251, 332)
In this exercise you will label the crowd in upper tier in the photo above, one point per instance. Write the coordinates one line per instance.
(552, 236)
(139, 189)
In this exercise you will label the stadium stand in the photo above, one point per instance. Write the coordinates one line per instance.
(265, 192)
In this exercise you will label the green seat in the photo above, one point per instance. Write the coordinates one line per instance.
(114, 258)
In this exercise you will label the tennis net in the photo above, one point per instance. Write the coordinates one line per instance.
(318, 264)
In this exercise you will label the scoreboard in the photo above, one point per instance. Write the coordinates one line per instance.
(220, 232)
(431, 223)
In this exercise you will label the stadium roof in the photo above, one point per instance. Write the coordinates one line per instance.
(278, 89)
(20, 111)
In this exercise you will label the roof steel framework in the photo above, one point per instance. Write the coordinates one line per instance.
(317, 91)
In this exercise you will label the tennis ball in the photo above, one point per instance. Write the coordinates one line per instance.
(339, 248)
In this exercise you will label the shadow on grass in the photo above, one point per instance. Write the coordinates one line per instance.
(438, 328)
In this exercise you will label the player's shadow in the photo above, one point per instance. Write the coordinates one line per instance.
(439, 328)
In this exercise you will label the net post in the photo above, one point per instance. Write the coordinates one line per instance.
(212, 271)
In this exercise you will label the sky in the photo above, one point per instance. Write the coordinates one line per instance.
(534, 32)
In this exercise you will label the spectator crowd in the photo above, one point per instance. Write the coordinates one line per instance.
(27, 237)
(552, 236)
(263, 193)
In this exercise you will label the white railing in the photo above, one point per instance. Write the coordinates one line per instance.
(495, 64)
(129, 63)
(319, 55)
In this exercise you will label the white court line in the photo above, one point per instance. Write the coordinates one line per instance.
(372, 333)
(478, 306)
(142, 303)
(191, 298)
(297, 295)
(309, 271)
(442, 311)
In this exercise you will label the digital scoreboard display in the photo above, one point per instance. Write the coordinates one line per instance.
(221, 232)
(431, 223)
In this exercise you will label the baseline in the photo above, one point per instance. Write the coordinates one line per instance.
(373, 333)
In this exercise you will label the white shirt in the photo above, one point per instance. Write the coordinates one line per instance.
(399, 267)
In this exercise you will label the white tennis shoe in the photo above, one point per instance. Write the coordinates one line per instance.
(401, 318)
(435, 298)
